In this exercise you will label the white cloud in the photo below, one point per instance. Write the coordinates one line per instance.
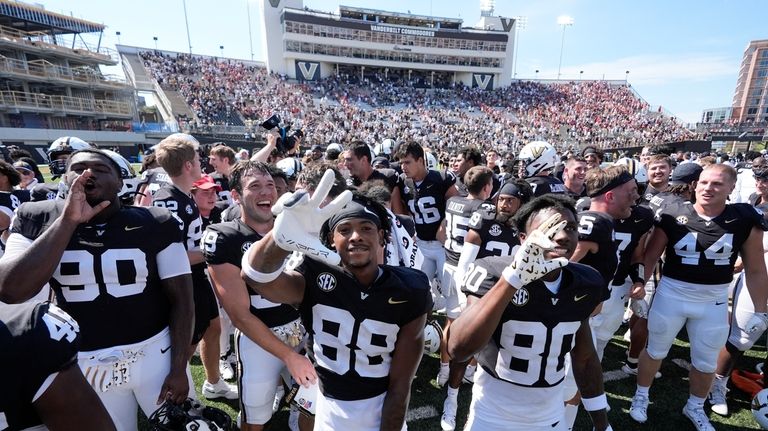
(656, 70)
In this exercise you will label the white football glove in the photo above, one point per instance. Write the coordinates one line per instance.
(639, 307)
(299, 218)
(757, 323)
(529, 263)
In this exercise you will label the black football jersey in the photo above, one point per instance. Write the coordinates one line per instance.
(662, 199)
(458, 212)
(628, 232)
(650, 192)
(9, 201)
(702, 251)
(36, 340)
(225, 195)
(47, 192)
(108, 278)
(154, 179)
(388, 176)
(496, 238)
(185, 209)
(544, 185)
(426, 201)
(353, 330)
(538, 328)
(225, 243)
(598, 227)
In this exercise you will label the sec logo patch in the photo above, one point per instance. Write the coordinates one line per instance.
(495, 230)
(682, 219)
(246, 245)
(326, 282)
(521, 297)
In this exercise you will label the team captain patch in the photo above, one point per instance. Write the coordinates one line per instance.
(326, 282)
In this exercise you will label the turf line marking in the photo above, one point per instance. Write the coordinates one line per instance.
(610, 376)
(682, 363)
(423, 412)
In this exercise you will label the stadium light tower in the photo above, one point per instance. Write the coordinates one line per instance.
(117, 33)
(155, 39)
(521, 24)
(626, 77)
(565, 21)
(250, 32)
(221, 48)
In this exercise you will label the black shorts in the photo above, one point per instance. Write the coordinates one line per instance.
(206, 307)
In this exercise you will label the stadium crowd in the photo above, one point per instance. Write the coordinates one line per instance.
(343, 108)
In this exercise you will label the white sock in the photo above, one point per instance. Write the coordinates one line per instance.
(570, 415)
(632, 361)
(642, 390)
(453, 393)
(695, 402)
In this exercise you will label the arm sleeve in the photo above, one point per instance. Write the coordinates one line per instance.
(173, 261)
(15, 245)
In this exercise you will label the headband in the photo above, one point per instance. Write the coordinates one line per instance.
(511, 189)
(623, 178)
(353, 210)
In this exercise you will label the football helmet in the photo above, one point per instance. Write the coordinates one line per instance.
(433, 335)
(635, 168)
(760, 408)
(431, 160)
(62, 146)
(385, 148)
(537, 156)
(130, 180)
(190, 415)
(291, 166)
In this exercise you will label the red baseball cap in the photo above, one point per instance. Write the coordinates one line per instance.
(205, 183)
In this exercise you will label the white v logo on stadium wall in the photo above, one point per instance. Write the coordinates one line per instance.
(506, 24)
(307, 69)
(482, 80)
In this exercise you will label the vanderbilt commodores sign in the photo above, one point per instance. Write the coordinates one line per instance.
(482, 80)
(307, 70)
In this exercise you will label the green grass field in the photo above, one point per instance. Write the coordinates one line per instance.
(668, 395)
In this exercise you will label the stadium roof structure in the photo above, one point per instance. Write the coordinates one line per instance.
(399, 18)
(31, 18)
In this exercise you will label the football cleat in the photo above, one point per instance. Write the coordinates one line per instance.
(717, 399)
(448, 420)
(220, 389)
(698, 418)
(639, 409)
(226, 370)
(631, 369)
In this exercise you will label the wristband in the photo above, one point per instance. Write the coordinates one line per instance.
(510, 277)
(259, 277)
(637, 273)
(599, 402)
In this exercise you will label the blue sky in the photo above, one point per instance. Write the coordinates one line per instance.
(683, 55)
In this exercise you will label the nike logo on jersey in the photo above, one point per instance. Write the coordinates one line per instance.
(731, 220)
(638, 221)
(578, 298)
(393, 301)
(130, 228)
(165, 350)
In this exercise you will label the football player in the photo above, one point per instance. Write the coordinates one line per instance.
(42, 340)
(180, 158)
(357, 159)
(526, 313)
(593, 156)
(458, 212)
(222, 158)
(574, 174)
(739, 341)
(10, 199)
(365, 320)
(466, 158)
(701, 242)
(121, 272)
(659, 168)
(537, 160)
(425, 193)
(268, 334)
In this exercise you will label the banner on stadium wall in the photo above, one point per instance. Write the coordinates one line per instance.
(482, 80)
(307, 70)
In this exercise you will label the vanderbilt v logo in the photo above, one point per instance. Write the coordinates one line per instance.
(506, 24)
(483, 80)
(307, 70)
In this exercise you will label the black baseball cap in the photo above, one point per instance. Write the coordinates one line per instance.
(685, 173)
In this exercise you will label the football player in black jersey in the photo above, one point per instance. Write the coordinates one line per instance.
(533, 309)
(701, 242)
(268, 333)
(574, 174)
(357, 159)
(425, 193)
(466, 158)
(180, 158)
(659, 168)
(42, 340)
(366, 322)
(458, 212)
(10, 199)
(222, 158)
(58, 153)
(121, 272)
(537, 160)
